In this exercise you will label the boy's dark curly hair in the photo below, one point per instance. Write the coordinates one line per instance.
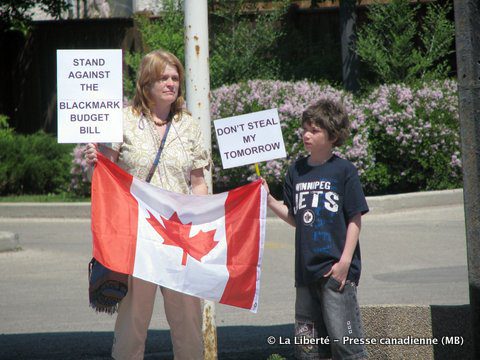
(331, 116)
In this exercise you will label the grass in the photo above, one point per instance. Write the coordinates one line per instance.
(275, 357)
(63, 197)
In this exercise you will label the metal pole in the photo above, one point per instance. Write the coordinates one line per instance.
(198, 91)
(196, 67)
(467, 29)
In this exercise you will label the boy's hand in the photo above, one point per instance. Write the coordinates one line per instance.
(339, 272)
(265, 186)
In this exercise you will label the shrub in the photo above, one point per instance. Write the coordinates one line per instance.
(397, 48)
(414, 137)
(79, 183)
(33, 164)
(290, 98)
(3, 122)
(403, 139)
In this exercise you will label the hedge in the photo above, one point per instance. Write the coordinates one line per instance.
(403, 138)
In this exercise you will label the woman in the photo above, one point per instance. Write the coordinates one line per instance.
(158, 105)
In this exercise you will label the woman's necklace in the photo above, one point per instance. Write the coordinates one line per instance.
(155, 126)
(160, 122)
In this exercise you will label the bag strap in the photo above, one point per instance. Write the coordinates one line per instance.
(159, 152)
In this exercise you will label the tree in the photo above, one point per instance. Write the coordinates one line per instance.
(167, 33)
(16, 14)
(398, 48)
(243, 40)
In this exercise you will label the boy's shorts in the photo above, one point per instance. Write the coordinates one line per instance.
(322, 311)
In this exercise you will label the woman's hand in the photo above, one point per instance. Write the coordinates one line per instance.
(91, 152)
(199, 185)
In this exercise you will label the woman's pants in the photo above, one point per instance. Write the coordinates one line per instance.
(183, 314)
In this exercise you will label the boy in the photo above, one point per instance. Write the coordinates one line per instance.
(323, 199)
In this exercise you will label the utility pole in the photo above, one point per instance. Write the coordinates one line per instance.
(467, 32)
(197, 79)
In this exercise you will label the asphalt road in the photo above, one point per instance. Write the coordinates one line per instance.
(410, 257)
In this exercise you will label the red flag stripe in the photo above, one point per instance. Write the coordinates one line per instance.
(242, 226)
(114, 217)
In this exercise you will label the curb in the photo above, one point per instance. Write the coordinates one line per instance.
(45, 210)
(378, 205)
(410, 201)
(418, 331)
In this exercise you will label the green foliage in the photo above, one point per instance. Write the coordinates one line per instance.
(167, 33)
(3, 122)
(62, 197)
(275, 357)
(437, 36)
(15, 14)
(397, 49)
(242, 42)
(414, 137)
(33, 164)
(80, 184)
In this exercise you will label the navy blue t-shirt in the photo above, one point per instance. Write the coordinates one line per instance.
(322, 200)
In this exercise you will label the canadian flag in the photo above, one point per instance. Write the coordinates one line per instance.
(206, 246)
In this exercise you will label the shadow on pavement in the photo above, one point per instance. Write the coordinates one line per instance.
(451, 323)
(234, 342)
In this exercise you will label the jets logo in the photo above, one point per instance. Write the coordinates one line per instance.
(308, 217)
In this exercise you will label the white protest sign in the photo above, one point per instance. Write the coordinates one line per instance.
(89, 96)
(250, 138)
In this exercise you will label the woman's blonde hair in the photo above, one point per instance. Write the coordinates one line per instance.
(151, 69)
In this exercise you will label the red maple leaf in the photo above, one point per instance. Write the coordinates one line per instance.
(175, 233)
